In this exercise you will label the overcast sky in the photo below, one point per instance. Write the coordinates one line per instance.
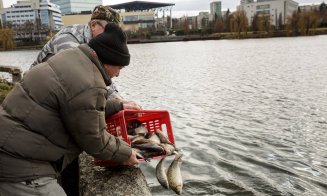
(187, 6)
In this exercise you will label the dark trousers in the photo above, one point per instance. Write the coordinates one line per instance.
(69, 178)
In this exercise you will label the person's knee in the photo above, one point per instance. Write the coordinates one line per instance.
(41, 186)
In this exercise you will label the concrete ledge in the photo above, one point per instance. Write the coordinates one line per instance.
(99, 181)
(14, 71)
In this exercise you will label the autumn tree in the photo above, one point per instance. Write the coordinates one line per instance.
(308, 20)
(186, 26)
(7, 39)
(239, 22)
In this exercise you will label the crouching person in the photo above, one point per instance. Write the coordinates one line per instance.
(58, 111)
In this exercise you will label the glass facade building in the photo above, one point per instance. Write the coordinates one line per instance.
(35, 12)
(215, 8)
(76, 6)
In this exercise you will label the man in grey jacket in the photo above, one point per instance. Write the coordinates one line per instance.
(71, 37)
(57, 111)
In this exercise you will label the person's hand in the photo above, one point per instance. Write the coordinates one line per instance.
(132, 159)
(131, 105)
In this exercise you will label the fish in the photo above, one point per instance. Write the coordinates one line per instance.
(161, 174)
(150, 154)
(136, 138)
(162, 137)
(174, 175)
(144, 141)
(168, 148)
(152, 136)
(150, 147)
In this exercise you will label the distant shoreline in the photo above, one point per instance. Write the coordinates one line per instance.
(221, 36)
(215, 36)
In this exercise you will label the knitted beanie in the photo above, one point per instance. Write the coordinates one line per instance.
(101, 12)
(111, 46)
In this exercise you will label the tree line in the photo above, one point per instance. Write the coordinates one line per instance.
(29, 33)
(237, 23)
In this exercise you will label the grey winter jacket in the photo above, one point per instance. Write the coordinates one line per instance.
(56, 112)
(69, 37)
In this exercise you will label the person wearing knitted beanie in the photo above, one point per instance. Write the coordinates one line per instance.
(111, 46)
(72, 37)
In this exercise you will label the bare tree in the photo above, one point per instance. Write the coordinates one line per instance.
(280, 22)
(227, 21)
(266, 23)
(186, 26)
(292, 23)
(218, 25)
(323, 14)
(256, 23)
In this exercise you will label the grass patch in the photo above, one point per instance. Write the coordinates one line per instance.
(4, 90)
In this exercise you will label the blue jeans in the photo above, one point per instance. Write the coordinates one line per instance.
(39, 187)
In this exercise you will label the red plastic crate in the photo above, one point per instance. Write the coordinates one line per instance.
(152, 119)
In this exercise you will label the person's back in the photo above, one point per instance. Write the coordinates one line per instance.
(68, 37)
(46, 125)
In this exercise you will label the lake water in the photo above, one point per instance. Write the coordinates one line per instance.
(248, 115)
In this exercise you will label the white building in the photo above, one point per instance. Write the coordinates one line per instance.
(76, 6)
(309, 6)
(34, 11)
(215, 10)
(50, 15)
(1, 8)
(133, 21)
(1, 5)
(202, 20)
(274, 8)
(242, 2)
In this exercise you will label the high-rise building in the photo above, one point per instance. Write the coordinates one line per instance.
(202, 20)
(277, 10)
(215, 10)
(242, 2)
(1, 8)
(36, 12)
(76, 6)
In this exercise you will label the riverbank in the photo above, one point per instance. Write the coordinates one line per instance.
(219, 36)
(214, 36)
